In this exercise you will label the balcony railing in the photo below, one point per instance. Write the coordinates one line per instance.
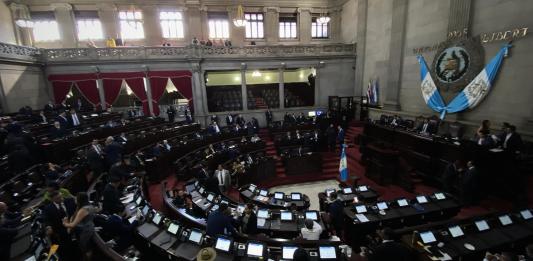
(19, 53)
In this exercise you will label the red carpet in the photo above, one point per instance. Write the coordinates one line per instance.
(330, 170)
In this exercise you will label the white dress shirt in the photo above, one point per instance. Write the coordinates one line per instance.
(312, 234)
(75, 120)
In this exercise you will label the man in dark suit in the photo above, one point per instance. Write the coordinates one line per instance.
(111, 201)
(171, 113)
(74, 120)
(120, 228)
(340, 137)
(389, 249)
(49, 107)
(470, 185)
(268, 116)
(336, 214)
(214, 118)
(229, 120)
(512, 142)
(113, 151)
(450, 175)
(57, 132)
(219, 222)
(95, 157)
(62, 119)
(54, 213)
(248, 220)
(332, 137)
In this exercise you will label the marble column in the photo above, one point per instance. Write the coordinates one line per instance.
(148, 88)
(271, 24)
(199, 99)
(23, 35)
(362, 6)
(152, 28)
(67, 24)
(282, 86)
(109, 18)
(396, 47)
(304, 22)
(101, 93)
(335, 24)
(243, 87)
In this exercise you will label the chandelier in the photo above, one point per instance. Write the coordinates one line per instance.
(256, 73)
(323, 19)
(239, 20)
(22, 17)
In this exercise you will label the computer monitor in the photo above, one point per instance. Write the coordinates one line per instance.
(347, 191)
(138, 200)
(263, 192)
(279, 195)
(482, 225)
(287, 252)
(252, 187)
(132, 219)
(145, 210)
(440, 196)
(327, 252)
(360, 209)
(224, 202)
(382, 205)
(240, 208)
(329, 191)
(157, 218)
(173, 228)
(362, 188)
(286, 215)
(201, 190)
(311, 114)
(456, 231)
(196, 236)
(223, 244)
(210, 197)
(255, 249)
(427, 237)
(296, 196)
(421, 199)
(402, 202)
(526, 214)
(505, 220)
(312, 215)
(262, 213)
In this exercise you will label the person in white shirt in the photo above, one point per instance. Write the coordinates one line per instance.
(311, 231)
(74, 119)
(223, 178)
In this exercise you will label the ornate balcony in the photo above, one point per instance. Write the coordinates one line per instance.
(172, 53)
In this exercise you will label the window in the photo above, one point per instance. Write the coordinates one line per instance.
(319, 30)
(90, 29)
(131, 24)
(45, 31)
(287, 28)
(171, 24)
(254, 25)
(218, 26)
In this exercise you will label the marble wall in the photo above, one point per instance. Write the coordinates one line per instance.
(22, 85)
(7, 32)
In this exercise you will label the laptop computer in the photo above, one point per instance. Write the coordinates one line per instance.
(287, 252)
(255, 249)
(279, 195)
(223, 246)
(296, 196)
(286, 216)
(360, 209)
(312, 215)
(327, 252)
(347, 191)
(263, 192)
(427, 237)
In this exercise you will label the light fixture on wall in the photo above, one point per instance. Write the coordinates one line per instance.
(239, 20)
(21, 15)
(323, 18)
(256, 73)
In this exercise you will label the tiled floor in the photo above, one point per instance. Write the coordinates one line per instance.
(310, 189)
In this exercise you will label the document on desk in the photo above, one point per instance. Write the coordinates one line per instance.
(261, 222)
(444, 257)
(362, 218)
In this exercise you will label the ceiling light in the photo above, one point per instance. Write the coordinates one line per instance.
(239, 20)
(256, 73)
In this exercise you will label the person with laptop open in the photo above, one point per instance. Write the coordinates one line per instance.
(312, 230)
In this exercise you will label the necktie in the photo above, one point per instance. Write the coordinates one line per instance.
(220, 180)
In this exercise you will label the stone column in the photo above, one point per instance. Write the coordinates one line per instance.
(243, 87)
(236, 34)
(199, 100)
(271, 24)
(101, 93)
(320, 65)
(67, 24)
(149, 94)
(335, 24)
(23, 35)
(193, 23)
(109, 18)
(282, 86)
(396, 47)
(152, 28)
(304, 22)
(362, 6)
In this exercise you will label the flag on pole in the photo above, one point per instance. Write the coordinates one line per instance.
(375, 92)
(369, 93)
(343, 165)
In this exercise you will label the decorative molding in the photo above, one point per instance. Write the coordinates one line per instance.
(63, 6)
(19, 53)
(274, 9)
(305, 9)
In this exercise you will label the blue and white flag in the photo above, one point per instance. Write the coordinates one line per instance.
(343, 164)
(470, 96)
(369, 92)
(375, 92)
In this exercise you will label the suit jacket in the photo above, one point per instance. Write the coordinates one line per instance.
(120, 229)
(56, 133)
(225, 177)
(95, 160)
(54, 218)
(229, 121)
(391, 251)
(268, 115)
(251, 226)
(111, 199)
(219, 224)
(336, 213)
(71, 121)
(340, 136)
(113, 153)
(63, 122)
(514, 143)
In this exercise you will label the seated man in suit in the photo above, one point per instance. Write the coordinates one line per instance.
(248, 220)
(118, 227)
(54, 212)
(219, 222)
(388, 249)
(62, 119)
(113, 151)
(57, 132)
(112, 195)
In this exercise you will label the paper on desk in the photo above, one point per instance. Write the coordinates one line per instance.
(362, 218)
(444, 257)
(261, 222)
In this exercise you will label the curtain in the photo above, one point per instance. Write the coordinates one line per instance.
(89, 90)
(137, 87)
(111, 90)
(158, 86)
(183, 84)
(61, 90)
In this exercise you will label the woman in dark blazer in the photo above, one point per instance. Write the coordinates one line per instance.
(248, 220)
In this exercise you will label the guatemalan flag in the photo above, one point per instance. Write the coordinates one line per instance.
(343, 165)
(370, 92)
(470, 96)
